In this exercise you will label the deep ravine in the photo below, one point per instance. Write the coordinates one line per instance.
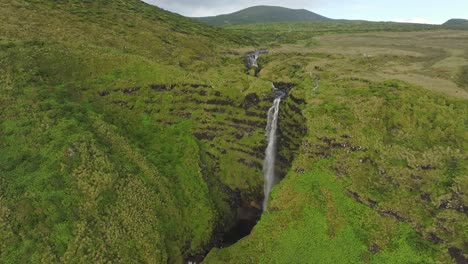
(280, 145)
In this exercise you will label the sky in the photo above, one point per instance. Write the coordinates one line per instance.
(417, 11)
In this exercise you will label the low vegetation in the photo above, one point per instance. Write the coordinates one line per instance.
(300, 32)
(131, 134)
(369, 184)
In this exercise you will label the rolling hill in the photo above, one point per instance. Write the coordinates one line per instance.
(456, 23)
(263, 14)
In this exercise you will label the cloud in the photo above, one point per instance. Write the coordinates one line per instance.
(196, 8)
(418, 20)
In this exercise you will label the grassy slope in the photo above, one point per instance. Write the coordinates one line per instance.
(312, 221)
(262, 14)
(101, 106)
(94, 178)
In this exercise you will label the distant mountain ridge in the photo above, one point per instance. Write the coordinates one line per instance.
(263, 14)
(456, 23)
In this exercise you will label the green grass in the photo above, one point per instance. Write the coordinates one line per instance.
(125, 134)
(310, 217)
(463, 77)
(86, 178)
(304, 32)
(345, 200)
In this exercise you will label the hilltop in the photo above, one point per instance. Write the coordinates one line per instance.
(263, 14)
(456, 23)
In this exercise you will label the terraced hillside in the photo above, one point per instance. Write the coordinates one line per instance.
(228, 124)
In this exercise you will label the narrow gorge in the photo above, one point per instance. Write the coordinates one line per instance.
(283, 133)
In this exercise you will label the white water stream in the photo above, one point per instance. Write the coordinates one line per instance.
(270, 152)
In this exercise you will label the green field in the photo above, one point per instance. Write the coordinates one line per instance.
(129, 134)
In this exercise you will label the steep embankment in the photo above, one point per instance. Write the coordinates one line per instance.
(126, 134)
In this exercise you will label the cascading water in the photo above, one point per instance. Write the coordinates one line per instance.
(252, 57)
(270, 152)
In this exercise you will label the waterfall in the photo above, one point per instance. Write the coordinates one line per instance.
(270, 152)
(252, 57)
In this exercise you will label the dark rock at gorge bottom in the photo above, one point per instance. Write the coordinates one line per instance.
(248, 215)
